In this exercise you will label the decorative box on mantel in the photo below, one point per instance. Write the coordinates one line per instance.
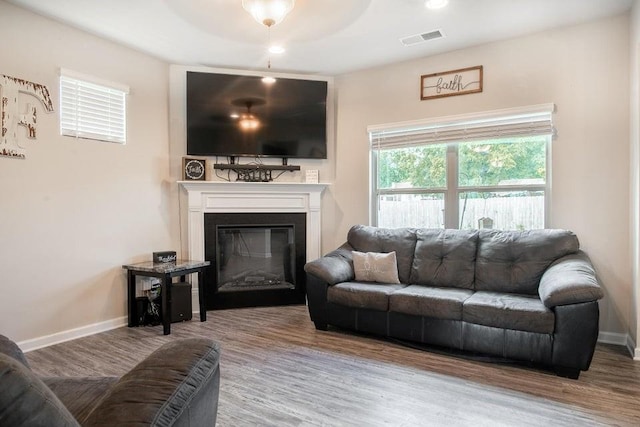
(252, 197)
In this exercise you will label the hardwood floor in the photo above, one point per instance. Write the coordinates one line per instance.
(277, 370)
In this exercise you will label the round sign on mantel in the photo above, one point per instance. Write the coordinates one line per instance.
(194, 169)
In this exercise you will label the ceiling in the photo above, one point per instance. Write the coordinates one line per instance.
(326, 37)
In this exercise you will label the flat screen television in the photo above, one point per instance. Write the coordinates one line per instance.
(240, 115)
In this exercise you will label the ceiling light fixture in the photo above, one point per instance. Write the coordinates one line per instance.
(435, 4)
(268, 12)
(276, 49)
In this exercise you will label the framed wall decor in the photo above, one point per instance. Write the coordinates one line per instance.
(451, 83)
(193, 169)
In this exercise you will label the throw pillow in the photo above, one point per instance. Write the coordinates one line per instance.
(375, 267)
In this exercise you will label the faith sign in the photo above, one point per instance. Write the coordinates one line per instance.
(451, 83)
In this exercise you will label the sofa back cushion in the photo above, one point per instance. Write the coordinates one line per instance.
(364, 238)
(445, 258)
(514, 261)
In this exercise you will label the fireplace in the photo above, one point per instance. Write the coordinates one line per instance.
(256, 259)
(238, 199)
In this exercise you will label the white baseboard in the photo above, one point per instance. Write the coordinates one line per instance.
(72, 334)
(613, 338)
(624, 340)
(83, 331)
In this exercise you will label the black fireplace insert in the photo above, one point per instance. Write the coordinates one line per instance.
(257, 259)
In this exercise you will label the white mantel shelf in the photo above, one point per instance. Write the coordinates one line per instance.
(252, 197)
(252, 186)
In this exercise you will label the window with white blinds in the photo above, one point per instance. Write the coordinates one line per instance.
(486, 170)
(92, 109)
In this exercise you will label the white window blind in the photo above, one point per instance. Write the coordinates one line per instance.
(527, 121)
(92, 109)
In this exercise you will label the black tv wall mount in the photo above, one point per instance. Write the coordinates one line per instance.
(255, 172)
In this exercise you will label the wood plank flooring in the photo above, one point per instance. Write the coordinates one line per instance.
(277, 370)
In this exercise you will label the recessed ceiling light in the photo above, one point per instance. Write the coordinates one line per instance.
(268, 80)
(436, 4)
(276, 49)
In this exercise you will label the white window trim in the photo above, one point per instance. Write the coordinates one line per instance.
(461, 122)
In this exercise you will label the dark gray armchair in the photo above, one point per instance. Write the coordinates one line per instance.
(177, 385)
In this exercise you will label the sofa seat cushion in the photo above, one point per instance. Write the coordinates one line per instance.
(445, 258)
(508, 311)
(428, 301)
(374, 296)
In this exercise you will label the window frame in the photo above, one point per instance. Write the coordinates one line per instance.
(452, 191)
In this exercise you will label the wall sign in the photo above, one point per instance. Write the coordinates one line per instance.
(10, 116)
(193, 169)
(451, 83)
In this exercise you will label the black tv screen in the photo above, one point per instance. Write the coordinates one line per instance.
(237, 115)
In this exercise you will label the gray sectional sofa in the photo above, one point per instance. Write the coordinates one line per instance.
(523, 295)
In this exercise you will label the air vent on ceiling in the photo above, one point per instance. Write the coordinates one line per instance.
(424, 37)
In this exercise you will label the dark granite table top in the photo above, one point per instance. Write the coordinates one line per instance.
(168, 267)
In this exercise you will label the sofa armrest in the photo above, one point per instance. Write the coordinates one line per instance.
(575, 336)
(569, 280)
(335, 267)
(177, 385)
(25, 401)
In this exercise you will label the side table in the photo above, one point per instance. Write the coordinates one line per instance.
(165, 272)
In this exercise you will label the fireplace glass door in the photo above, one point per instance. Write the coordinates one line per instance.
(251, 258)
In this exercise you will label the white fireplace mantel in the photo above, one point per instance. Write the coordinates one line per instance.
(252, 197)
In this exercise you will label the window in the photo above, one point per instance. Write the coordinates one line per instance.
(92, 109)
(478, 171)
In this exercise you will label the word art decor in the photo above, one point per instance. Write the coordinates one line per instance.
(193, 169)
(12, 118)
(451, 83)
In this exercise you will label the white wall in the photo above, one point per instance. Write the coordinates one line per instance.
(584, 70)
(75, 210)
